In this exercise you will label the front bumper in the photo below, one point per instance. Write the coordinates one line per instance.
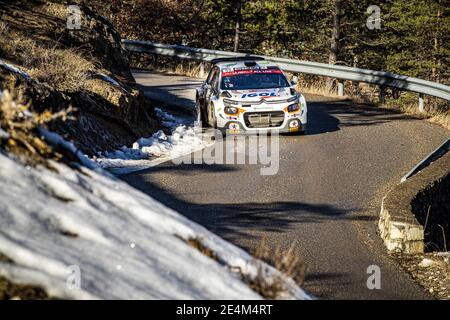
(237, 127)
(263, 117)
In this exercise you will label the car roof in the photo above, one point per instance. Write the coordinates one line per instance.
(245, 64)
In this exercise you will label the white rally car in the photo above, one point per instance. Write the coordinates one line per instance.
(250, 94)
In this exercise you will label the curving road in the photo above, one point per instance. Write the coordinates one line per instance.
(324, 200)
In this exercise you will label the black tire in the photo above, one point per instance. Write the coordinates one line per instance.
(201, 115)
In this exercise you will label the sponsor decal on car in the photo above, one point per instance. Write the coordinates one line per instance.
(260, 94)
(259, 70)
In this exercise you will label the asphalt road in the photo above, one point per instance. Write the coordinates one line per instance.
(324, 200)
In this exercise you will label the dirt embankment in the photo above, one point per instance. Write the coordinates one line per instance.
(417, 214)
(85, 69)
(431, 207)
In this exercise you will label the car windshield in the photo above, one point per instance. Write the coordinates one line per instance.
(253, 79)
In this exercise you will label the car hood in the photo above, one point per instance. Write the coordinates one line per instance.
(259, 95)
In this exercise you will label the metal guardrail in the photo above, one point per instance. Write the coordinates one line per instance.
(436, 154)
(380, 78)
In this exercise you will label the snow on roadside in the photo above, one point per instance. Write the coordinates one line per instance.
(112, 81)
(149, 152)
(125, 244)
(14, 69)
(170, 120)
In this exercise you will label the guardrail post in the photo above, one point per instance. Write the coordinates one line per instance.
(340, 88)
(421, 103)
(382, 95)
(202, 70)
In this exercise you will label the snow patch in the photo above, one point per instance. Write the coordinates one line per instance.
(14, 69)
(3, 134)
(426, 263)
(57, 141)
(110, 80)
(159, 148)
(125, 244)
(170, 120)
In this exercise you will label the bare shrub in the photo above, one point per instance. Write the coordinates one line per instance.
(268, 287)
(266, 284)
(20, 126)
(286, 261)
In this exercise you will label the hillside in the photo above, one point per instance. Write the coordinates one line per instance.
(82, 70)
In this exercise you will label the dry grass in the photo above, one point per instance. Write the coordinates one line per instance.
(13, 291)
(189, 69)
(57, 10)
(105, 90)
(197, 244)
(267, 287)
(22, 136)
(436, 111)
(264, 283)
(318, 89)
(169, 65)
(286, 261)
(63, 69)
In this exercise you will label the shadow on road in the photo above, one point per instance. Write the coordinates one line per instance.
(246, 224)
(319, 118)
(231, 220)
(345, 113)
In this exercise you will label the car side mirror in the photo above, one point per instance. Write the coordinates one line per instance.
(294, 80)
(226, 94)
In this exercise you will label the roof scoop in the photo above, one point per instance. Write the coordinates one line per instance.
(236, 59)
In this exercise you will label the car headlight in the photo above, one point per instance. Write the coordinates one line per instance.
(294, 107)
(231, 110)
(228, 103)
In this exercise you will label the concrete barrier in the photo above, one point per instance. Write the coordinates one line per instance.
(398, 225)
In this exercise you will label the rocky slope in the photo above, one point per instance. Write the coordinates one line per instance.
(87, 70)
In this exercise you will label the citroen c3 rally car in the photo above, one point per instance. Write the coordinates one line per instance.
(250, 94)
